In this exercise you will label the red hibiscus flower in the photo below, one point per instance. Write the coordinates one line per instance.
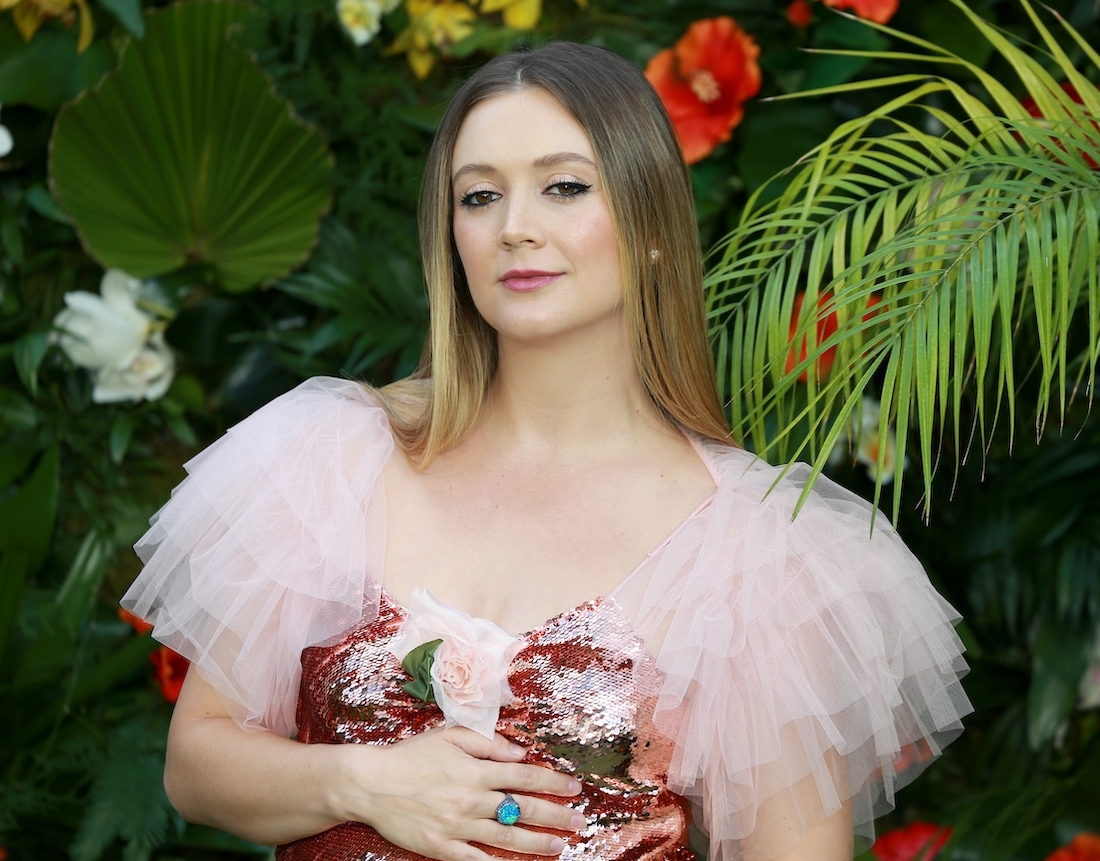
(1083, 847)
(826, 327)
(171, 668)
(1032, 108)
(879, 11)
(921, 841)
(704, 81)
(799, 14)
(139, 625)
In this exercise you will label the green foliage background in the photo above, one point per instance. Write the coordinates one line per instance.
(1013, 539)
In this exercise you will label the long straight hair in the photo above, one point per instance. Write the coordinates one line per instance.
(649, 196)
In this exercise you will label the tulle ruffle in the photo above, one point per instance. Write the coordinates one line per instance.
(268, 544)
(807, 664)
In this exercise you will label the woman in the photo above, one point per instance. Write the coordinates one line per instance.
(559, 466)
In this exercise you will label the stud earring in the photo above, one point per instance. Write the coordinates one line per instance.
(654, 255)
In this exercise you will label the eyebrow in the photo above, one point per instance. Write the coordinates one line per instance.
(551, 160)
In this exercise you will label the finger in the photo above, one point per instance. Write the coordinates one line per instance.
(497, 748)
(458, 850)
(531, 779)
(545, 814)
(515, 839)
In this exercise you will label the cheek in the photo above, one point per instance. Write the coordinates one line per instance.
(597, 243)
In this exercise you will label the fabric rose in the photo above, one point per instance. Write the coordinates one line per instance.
(921, 841)
(147, 377)
(114, 339)
(879, 11)
(6, 141)
(171, 669)
(517, 14)
(139, 625)
(104, 331)
(433, 28)
(469, 667)
(362, 19)
(1032, 107)
(827, 326)
(799, 14)
(862, 436)
(29, 15)
(704, 81)
(1083, 847)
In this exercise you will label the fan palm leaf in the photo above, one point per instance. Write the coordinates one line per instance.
(911, 262)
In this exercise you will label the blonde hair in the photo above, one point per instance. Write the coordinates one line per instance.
(649, 195)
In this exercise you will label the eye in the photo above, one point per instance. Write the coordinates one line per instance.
(567, 188)
(478, 197)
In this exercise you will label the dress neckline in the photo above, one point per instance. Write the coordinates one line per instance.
(708, 462)
(591, 605)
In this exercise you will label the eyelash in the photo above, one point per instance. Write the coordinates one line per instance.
(467, 200)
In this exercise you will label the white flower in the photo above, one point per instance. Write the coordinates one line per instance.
(470, 667)
(363, 18)
(147, 377)
(6, 142)
(110, 336)
(105, 331)
(864, 433)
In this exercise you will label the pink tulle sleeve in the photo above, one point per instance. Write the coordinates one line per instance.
(807, 663)
(268, 544)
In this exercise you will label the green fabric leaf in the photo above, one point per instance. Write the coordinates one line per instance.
(39, 199)
(122, 429)
(418, 664)
(48, 70)
(127, 799)
(27, 517)
(128, 13)
(185, 154)
(28, 353)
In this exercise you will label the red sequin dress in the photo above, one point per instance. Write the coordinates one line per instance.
(583, 687)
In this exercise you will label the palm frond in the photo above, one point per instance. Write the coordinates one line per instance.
(933, 253)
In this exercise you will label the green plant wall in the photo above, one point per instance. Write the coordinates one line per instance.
(232, 189)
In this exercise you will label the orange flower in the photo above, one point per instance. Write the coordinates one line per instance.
(921, 841)
(171, 669)
(1083, 847)
(826, 327)
(139, 625)
(879, 11)
(704, 81)
(799, 14)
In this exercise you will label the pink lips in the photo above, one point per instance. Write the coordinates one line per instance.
(526, 280)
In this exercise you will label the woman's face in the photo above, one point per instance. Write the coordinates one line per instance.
(532, 223)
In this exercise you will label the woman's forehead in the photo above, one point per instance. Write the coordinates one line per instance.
(527, 127)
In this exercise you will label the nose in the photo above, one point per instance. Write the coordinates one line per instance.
(520, 225)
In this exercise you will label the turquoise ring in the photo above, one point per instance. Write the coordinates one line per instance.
(508, 811)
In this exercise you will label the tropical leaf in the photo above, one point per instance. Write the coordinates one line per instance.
(127, 799)
(184, 154)
(933, 254)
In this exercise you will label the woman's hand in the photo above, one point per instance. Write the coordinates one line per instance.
(437, 792)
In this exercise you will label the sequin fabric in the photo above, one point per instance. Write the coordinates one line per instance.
(583, 687)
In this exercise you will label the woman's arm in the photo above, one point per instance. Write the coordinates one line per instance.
(431, 794)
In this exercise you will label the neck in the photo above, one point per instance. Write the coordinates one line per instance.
(570, 395)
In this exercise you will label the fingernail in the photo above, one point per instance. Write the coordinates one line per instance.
(557, 845)
(516, 750)
(574, 786)
(577, 822)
